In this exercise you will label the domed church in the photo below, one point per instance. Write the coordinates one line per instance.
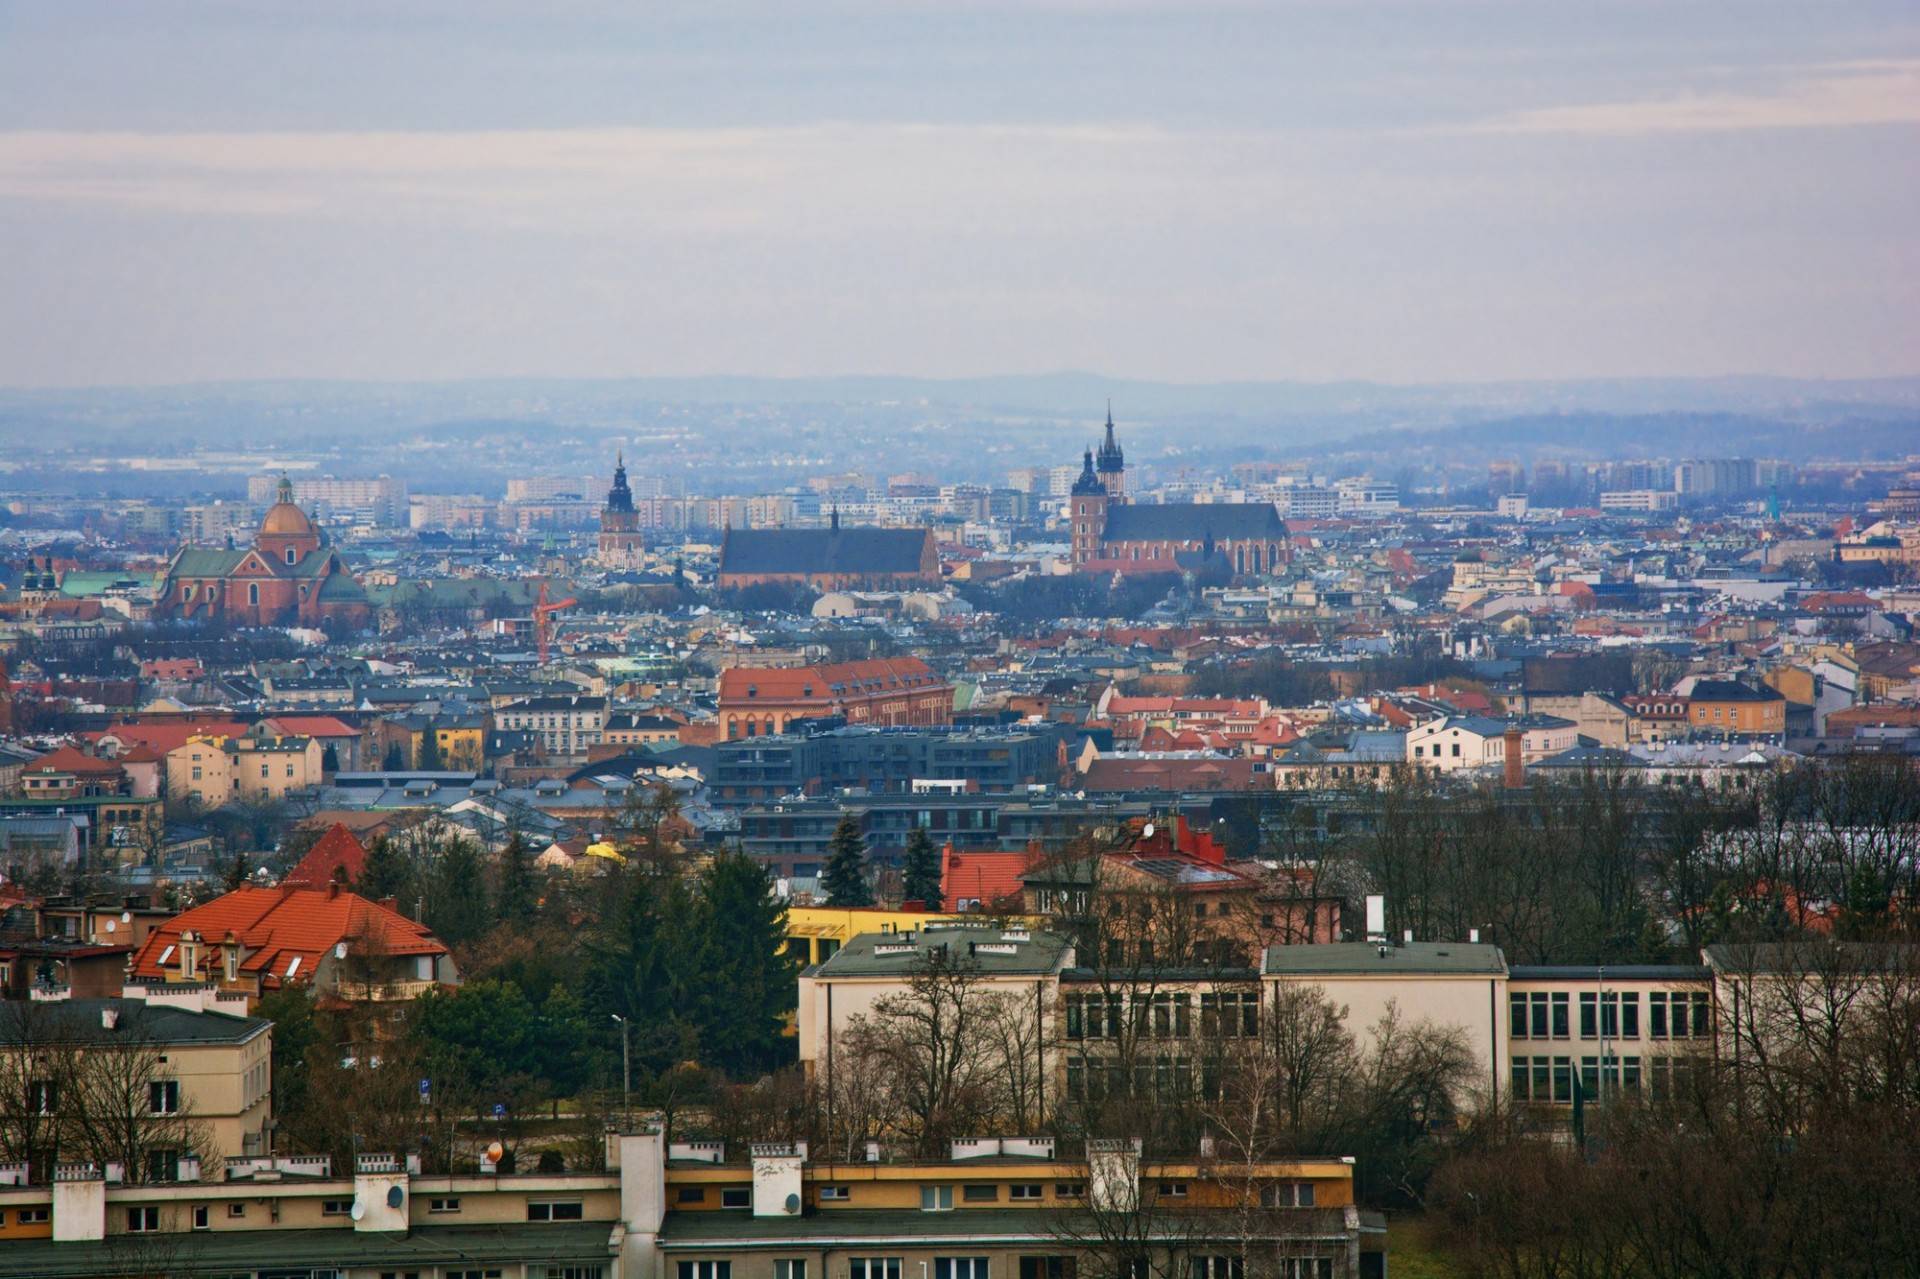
(288, 577)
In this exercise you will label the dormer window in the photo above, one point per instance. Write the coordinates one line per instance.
(289, 555)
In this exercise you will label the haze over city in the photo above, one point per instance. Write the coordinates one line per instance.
(1401, 192)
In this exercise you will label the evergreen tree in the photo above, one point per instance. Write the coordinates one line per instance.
(329, 760)
(922, 879)
(429, 749)
(518, 895)
(236, 871)
(845, 879)
(640, 965)
(456, 896)
(385, 873)
(746, 983)
(395, 760)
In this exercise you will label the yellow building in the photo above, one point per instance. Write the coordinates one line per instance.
(218, 770)
(814, 933)
(993, 1209)
(193, 1069)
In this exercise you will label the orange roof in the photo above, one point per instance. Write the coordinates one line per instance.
(335, 851)
(68, 759)
(986, 876)
(169, 735)
(276, 926)
(824, 683)
(312, 726)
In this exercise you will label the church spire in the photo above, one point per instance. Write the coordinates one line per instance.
(1112, 460)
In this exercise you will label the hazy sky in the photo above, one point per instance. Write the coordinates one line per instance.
(1296, 189)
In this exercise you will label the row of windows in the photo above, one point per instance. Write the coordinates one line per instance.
(1551, 1079)
(1223, 1015)
(1610, 1014)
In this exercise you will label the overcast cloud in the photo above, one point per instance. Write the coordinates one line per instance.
(1416, 191)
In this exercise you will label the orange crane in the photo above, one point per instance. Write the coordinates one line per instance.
(543, 620)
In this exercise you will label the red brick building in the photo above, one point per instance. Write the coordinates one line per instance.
(288, 577)
(757, 701)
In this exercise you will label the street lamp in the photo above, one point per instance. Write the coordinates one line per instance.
(626, 1069)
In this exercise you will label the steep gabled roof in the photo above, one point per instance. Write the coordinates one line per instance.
(1194, 522)
(335, 854)
(276, 926)
(825, 551)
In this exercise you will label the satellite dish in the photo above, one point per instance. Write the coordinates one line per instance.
(1146, 832)
(111, 925)
(395, 1196)
(793, 1203)
(359, 1210)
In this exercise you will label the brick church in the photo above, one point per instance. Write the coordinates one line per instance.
(621, 543)
(288, 577)
(1114, 535)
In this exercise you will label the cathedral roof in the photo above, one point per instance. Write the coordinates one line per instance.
(824, 551)
(1194, 522)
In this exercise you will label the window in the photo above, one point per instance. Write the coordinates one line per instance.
(554, 1210)
(873, 1268)
(200, 1221)
(794, 1269)
(1232, 1014)
(43, 1096)
(1173, 1190)
(569, 1272)
(692, 1195)
(443, 1205)
(736, 1197)
(834, 1193)
(34, 1216)
(162, 1165)
(706, 1270)
(1630, 1014)
(163, 1097)
(936, 1198)
(1070, 1190)
(1048, 1268)
(470, 1274)
(980, 1194)
(1589, 1016)
(1560, 1017)
(959, 1268)
(236, 1210)
(1030, 1190)
(144, 1219)
(1290, 1194)
(336, 1207)
(1218, 1267)
(1657, 1014)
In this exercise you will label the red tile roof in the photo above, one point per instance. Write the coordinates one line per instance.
(276, 926)
(987, 876)
(312, 726)
(68, 759)
(818, 683)
(165, 736)
(335, 853)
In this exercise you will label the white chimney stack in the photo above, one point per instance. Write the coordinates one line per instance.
(1376, 916)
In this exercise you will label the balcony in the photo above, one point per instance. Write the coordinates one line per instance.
(383, 992)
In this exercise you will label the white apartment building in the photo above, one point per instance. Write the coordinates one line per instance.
(381, 501)
(566, 725)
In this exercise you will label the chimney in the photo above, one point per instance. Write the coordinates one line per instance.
(109, 1018)
(333, 889)
(1516, 769)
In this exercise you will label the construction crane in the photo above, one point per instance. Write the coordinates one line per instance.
(543, 620)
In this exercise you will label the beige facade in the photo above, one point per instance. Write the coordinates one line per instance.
(218, 770)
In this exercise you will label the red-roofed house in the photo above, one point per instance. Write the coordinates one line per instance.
(161, 735)
(66, 773)
(335, 858)
(756, 701)
(984, 880)
(333, 942)
(328, 730)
